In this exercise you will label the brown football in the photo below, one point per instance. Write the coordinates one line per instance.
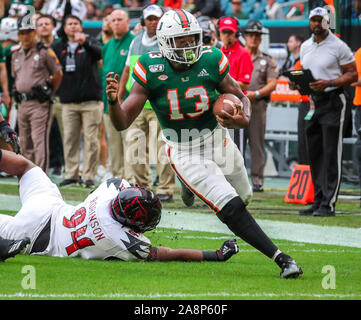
(227, 103)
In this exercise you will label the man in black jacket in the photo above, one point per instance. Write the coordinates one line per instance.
(80, 93)
(210, 8)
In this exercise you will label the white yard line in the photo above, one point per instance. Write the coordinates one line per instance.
(298, 232)
(178, 295)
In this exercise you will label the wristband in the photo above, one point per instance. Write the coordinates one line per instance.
(1, 154)
(332, 83)
(258, 95)
(210, 256)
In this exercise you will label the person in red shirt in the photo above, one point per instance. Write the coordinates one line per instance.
(240, 61)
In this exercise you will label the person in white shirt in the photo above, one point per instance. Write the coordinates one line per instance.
(108, 225)
(274, 10)
(333, 67)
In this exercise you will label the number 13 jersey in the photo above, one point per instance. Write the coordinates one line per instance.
(182, 100)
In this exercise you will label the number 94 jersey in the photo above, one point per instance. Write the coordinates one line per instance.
(182, 100)
(89, 231)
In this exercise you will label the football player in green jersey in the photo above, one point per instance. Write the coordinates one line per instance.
(182, 82)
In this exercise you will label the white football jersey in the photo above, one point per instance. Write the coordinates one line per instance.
(89, 231)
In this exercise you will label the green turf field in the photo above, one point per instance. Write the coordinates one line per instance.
(328, 250)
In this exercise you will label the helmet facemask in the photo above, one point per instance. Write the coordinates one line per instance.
(187, 54)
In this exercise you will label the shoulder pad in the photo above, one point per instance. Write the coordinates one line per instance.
(15, 48)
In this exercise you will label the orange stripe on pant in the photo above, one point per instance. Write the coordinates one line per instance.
(207, 202)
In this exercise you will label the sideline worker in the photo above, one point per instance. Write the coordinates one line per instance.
(333, 66)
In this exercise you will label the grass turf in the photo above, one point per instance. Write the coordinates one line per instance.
(248, 275)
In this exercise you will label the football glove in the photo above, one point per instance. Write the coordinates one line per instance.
(228, 249)
(9, 135)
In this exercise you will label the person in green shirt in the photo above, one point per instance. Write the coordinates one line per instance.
(115, 53)
(146, 127)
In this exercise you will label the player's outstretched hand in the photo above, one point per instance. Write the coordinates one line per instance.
(112, 86)
(9, 136)
(228, 249)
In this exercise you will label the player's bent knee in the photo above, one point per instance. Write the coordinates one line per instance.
(235, 215)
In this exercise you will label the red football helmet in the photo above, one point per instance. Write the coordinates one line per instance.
(137, 208)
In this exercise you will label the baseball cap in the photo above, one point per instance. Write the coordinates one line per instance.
(254, 26)
(152, 10)
(228, 23)
(26, 23)
(319, 12)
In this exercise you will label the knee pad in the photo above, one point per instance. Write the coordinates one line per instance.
(235, 215)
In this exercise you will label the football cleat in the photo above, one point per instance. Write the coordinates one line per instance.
(289, 267)
(10, 248)
(228, 249)
(187, 196)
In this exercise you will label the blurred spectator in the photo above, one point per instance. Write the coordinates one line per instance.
(37, 73)
(9, 39)
(45, 26)
(274, 10)
(188, 5)
(293, 47)
(80, 93)
(210, 8)
(296, 11)
(18, 7)
(264, 81)
(356, 14)
(107, 10)
(107, 32)
(4, 85)
(115, 53)
(209, 32)
(39, 5)
(234, 9)
(133, 3)
(93, 13)
(240, 60)
(146, 125)
(61, 8)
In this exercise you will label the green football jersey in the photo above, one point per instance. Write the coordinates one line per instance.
(183, 100)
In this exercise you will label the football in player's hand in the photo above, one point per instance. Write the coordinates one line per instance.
(226, 102)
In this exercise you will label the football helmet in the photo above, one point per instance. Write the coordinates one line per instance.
(176, 24)
(137, 208)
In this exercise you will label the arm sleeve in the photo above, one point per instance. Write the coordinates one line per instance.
(345, 54)
(139, 73)
(52, 61)
(272, 70)
(223, 64)
(94, 47)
